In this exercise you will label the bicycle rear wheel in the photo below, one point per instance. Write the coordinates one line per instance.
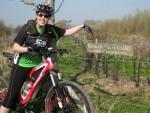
(3, 83)
(3, 88)
(73, 97)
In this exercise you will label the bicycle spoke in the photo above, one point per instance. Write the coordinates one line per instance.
(73, 99)
(78, 99)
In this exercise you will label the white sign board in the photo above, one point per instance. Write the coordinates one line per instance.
(118, 49)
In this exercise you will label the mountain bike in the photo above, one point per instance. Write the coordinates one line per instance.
(62, 96)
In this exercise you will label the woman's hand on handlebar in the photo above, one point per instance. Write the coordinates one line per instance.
(30, 49)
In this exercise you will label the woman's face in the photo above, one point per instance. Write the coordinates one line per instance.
(42, 18)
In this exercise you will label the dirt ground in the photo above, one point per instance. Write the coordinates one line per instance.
(122, 87)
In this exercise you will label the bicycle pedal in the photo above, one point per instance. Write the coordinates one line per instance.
(69, 108)
(28, 111)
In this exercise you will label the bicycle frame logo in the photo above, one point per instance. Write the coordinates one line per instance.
(45, 66)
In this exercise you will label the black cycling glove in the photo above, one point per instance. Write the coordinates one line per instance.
(34, 48)
(30, 49)
(33, 52)
(88, 29)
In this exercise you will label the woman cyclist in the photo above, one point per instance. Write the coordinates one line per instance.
(34, 34)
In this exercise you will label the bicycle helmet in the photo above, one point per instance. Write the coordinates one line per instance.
(45, 8)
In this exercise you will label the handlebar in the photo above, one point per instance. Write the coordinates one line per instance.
(43, 52)
(10, 56)
(46, 52)
(57, 50)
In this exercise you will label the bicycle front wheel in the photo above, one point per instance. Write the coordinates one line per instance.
(73, 97)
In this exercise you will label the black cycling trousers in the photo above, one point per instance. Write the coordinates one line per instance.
(18, 76)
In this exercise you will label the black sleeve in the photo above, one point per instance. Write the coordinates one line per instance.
(21, 36)
(60, 32)
(56, 30)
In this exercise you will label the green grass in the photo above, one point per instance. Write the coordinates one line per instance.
(105, 103)
(126, 66)
(73, 63)
(70, 64)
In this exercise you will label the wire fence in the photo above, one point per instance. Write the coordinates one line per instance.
(108, 67)
(117, 67)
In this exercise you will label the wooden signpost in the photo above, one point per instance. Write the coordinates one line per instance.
(111, 48)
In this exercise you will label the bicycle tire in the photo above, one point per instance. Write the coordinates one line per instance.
(3, 88)
(3, 83)
(77, 90)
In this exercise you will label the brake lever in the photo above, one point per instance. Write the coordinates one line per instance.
(61, 51)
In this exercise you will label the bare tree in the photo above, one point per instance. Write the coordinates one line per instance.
(49, 2)
(28, 2)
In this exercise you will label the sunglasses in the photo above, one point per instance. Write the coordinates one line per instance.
(41, 15)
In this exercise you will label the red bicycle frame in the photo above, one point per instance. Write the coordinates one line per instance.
(46, 66)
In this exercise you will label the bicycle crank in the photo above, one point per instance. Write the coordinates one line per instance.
(69, 108)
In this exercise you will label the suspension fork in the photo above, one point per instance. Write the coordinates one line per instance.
(55, 78)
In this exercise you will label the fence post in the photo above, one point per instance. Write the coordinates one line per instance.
(89, 61)
(138, 75)
(115, 70)
(105, 65)
(97, 65)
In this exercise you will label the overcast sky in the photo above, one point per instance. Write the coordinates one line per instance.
(14, 12)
